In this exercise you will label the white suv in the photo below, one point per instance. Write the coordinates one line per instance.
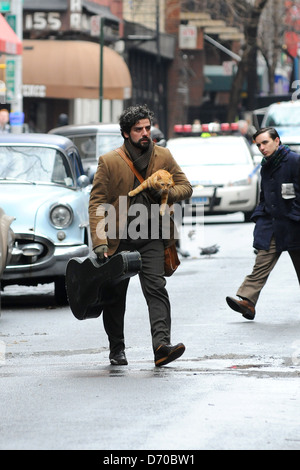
(284, 116)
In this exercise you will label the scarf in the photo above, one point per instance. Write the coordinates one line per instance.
(139, 157)
(140, 160)
(277, 156)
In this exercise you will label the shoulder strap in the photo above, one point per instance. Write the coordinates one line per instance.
(130, 164)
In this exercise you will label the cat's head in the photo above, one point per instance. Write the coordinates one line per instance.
(165, 180)
(166, 185)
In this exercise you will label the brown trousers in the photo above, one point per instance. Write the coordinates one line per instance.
(264, 264)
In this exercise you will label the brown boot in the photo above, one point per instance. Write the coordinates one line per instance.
(245, 307)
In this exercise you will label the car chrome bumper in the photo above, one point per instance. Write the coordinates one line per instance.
(49, 268)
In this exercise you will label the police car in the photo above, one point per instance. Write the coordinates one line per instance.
(219, 163)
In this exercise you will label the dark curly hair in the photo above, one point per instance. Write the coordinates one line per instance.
(132, 115)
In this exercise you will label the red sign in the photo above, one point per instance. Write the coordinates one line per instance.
(292, 41)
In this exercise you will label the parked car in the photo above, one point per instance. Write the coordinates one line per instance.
(94, 140)
(221, 170)
(42, 183)
(6, 243)
(284, 116)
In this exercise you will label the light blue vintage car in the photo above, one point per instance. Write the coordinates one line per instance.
(43, 186)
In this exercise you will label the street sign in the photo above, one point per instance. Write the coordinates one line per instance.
(228, 67)
(10, 79)
(95, 25)
(12, 21)
(4, 6)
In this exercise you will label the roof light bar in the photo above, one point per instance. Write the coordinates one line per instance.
(213, 128)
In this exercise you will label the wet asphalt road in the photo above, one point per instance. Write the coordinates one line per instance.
(236, 387)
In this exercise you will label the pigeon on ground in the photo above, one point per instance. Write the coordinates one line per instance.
(209, 250)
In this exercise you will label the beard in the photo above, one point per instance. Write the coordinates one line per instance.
(142, 144)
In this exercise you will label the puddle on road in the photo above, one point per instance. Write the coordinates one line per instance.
(99, 366)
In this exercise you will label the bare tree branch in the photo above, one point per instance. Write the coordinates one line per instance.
(247, 67)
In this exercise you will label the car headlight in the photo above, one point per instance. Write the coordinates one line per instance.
(244, 182)
(61, 215)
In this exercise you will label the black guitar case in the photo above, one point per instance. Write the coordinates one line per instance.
(86, 280)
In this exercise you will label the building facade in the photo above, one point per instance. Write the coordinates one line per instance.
(64, 44)
(173, 55)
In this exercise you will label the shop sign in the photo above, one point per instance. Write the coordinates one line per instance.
(74, 19)
(75, 14)
(190, 37)
(42, 21)
(187, 37)
(34, 91)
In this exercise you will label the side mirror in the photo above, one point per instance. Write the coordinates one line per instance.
(83, 181)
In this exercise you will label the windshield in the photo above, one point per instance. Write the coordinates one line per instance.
(108, 142)
(209, 151)
(283, 116)
(91, 146)
(34, 165)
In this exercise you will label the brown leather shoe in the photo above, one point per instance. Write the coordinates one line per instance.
(245, 307)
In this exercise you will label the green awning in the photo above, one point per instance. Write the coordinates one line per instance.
(215, 78)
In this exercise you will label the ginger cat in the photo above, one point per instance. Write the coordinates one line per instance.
(162, 181)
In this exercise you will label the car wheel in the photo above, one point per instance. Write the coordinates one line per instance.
(60, 291)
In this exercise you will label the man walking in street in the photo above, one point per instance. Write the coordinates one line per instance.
(113, 180)
(277, 218)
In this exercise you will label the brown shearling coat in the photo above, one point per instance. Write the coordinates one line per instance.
(114, 178)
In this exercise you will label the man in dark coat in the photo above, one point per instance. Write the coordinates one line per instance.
(277, 218)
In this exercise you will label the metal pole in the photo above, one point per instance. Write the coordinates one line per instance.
(160, 103)
(16, 11)
(101, 68)
(223, 48)
(296, 68)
